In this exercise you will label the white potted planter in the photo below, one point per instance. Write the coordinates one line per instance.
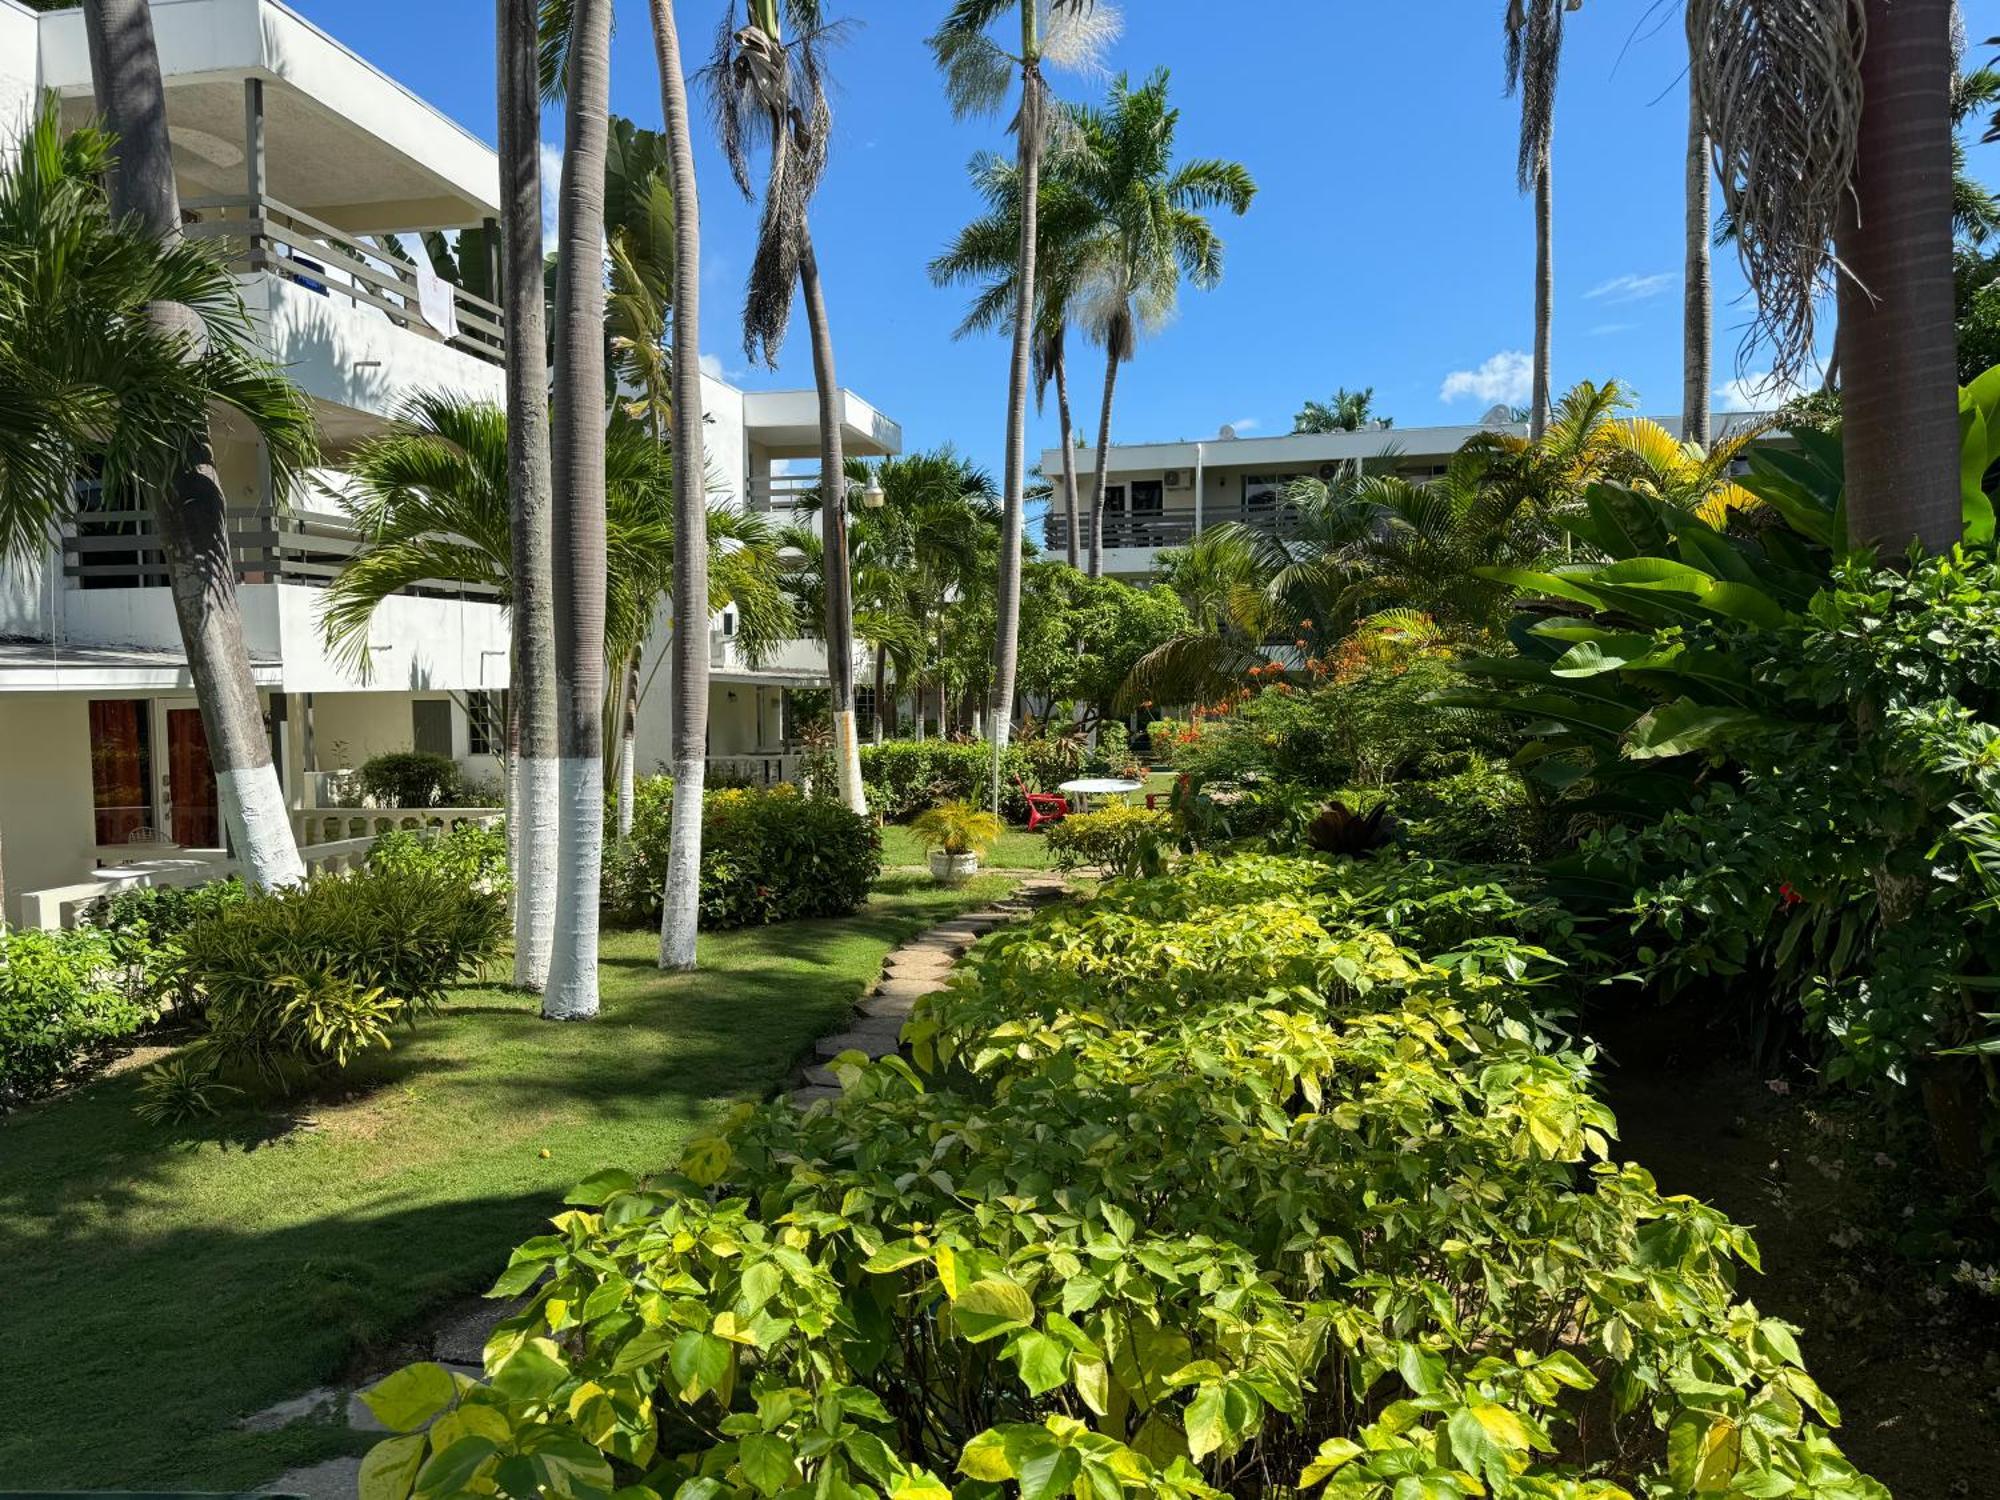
(953, 869)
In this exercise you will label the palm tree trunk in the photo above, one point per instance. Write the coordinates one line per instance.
(532, 618)
(1545, 293)
(679, 910)
(628, 748)
(833, 536)
(1899, 375)
(1103, 460)
(1007, 601)
(578, 520)
(1698, 332)
(1072, 551)
(131, 98)
(883, 707)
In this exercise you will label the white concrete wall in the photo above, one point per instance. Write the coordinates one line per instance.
(19, 71)
(417, 645)
(723, 452)
(349, 728)
(46, 828)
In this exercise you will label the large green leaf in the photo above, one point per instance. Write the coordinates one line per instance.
(1684, 726)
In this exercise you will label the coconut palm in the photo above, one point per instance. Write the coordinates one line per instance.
(691, 590)
(987, 252)
(1534, 30)
(578, 522)
(1152, 218)
(1832, 130)
(532, 824)
(1347, 411)
(176, 472)
(979, 73)
(1698, 290)
(769, 90)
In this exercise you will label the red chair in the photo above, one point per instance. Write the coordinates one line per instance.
(1043, 807)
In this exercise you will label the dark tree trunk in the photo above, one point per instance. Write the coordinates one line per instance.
(1545, 294)
(1698, 309)
(1898, 345)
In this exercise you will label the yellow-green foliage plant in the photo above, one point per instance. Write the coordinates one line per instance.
(1119, 839)
(1272, 1177)
(957, 828)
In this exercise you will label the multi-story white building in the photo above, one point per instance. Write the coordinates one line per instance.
(1159, 495)
(305, 163)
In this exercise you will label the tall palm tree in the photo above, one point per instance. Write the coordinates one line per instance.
(1534, 61)
(531, 612)
(679, 908)
(1698, 291)
(770, 91)
(987, 252)
(979, 73)
(578, 523)
(1832, 129)
(186, 494)
(1347, 411)
(1152, 219)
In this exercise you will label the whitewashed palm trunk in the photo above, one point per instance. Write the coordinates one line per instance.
(534, 820)
(201, 568)
(628, 746)
(833, 536)
(681, 901)
(578, 520)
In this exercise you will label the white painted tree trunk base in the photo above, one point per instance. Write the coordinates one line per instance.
(537, 810)
(260, 826)
(847, 762)
(571, 993)
(680, 905)
(628, 784)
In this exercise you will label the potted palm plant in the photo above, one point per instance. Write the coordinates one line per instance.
(956, 833)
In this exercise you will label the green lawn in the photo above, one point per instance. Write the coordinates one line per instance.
(158, 1286)
(1018, 849)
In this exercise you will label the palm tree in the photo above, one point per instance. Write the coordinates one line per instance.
(531, 612)
(578, 521)
(979, 73)
(1698, 292)
(1832, 129)
(679, 908)
(181, 480)
(1347, 411)
(1152, 220)
(770, 91)
(1534, 61)
(987, 251)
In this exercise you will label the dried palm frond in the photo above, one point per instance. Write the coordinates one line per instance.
(1534, 60)
(1779, 82)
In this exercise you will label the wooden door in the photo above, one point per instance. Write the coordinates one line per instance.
(197, 821)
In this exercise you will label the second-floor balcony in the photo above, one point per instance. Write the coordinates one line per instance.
(1153, 530)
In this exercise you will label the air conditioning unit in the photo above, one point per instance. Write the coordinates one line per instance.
(1330, 472)
(1179, 479)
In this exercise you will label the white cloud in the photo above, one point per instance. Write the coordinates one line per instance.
(1630, 287)
(711, 366)
(1508, 376)
(1244, 424)
(1607, 330)
(552, 161)
(1757, 391)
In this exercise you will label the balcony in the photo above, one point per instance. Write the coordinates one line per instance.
(779, 493)
(1150, 531)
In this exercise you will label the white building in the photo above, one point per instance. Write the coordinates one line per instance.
(1159, 495)
(303, 161)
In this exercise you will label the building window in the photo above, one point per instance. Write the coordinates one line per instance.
(430, 726)
(864, 712)
(484, 723)
(1148, 497)
(121, 768)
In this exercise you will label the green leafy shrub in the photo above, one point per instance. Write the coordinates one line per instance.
(309, 975)
(957, 828)
(60, 1000)
(146, 924)
(411, 778)
(468, 852)
(1209, 1187)
(766, 856)
(1119, 839)
(1479, 813)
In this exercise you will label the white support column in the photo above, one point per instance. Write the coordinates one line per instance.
(1200, 453)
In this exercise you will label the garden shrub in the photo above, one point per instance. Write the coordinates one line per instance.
(1480, 813)
(411, 778)
(309, 975)
(469, 853)
(1209, 1187)
(146, 924)
(1121, 840)
(60, 1000)
(766, 856)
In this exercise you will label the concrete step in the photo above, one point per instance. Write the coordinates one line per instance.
(887, 1007)
(910, 989)
(806, 1098)
(877, 1038)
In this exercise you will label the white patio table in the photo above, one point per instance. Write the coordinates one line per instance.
(1098, 786)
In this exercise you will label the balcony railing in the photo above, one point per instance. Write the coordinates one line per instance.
(262, 234)
(1169, 528)
(780, 491)
(121, 549)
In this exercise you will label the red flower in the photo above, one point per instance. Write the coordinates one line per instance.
(1789, 896)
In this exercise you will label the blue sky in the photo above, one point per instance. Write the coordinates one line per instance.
(1387, 246)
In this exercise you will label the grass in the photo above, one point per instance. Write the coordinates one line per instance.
(1017, 849)
(162, 1285)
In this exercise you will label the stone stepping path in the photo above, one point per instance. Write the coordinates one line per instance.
(921, 967)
